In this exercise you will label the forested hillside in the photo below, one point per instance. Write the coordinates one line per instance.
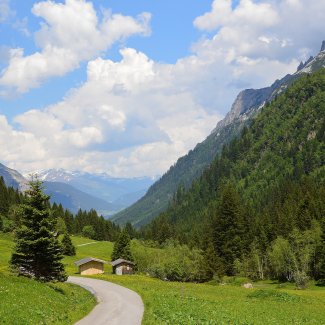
(190, 167)
(264, 192)
(186, 169)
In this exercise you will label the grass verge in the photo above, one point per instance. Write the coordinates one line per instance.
(24, 301)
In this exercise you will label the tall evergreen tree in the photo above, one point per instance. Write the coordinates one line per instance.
(37, 253)
(122, 247)
(229, 228)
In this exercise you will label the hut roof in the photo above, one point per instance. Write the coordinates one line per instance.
(121, 260)
(88, 259)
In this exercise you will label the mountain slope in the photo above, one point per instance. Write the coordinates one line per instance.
(277, 166)
(73, 199)
(13, 178)
(190, 167)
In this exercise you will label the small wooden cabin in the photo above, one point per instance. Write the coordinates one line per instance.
(90, 266)
(121, 266)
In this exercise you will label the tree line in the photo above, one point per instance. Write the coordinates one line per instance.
(87, 223)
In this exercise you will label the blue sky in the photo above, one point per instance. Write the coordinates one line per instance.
(172, 33)
(127, 87)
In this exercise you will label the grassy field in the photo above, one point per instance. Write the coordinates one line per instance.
(165, 302)
(187, 303)
(24, 301)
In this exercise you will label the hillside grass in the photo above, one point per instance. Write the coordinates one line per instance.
(188, 303)
(25, 301)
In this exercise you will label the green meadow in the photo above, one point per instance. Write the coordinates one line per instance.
(28, 302)
(24, 301)
(189, 303)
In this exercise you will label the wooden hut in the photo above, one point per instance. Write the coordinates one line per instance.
(121, 266)
(90, 266)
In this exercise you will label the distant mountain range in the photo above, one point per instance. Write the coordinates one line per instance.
(189, 167)
(118, 192)
(79, 190)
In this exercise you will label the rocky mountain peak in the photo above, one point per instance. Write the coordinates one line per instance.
(323, 47)
(13, 178)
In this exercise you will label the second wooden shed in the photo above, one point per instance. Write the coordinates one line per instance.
(121, 266)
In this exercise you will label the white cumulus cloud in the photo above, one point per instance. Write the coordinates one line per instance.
(71, 32)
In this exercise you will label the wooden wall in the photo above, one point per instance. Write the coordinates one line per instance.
(91, 268)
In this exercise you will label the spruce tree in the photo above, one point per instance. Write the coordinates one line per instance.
(229, 229)
(67, 246)
(122, 247)
(37, 253)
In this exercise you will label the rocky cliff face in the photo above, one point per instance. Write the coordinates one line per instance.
(251, 100)
(13, 179)
(323, 47)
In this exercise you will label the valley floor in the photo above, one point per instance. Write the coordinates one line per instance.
(28, 302)
(188, 303)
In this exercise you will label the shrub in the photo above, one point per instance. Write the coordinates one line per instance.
(301, 279)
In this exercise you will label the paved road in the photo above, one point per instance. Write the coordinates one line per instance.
(117, 305)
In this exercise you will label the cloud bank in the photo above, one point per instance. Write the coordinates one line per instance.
(135, 117)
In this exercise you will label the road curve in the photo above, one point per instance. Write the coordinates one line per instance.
(116, 305)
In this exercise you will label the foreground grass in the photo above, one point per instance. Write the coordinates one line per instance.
(24, 301)
(188, 303)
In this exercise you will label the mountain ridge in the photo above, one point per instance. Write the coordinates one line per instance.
(189, 167)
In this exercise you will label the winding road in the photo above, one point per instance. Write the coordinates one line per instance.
(116, 305)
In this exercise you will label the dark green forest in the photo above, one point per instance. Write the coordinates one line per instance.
(86, 223)
(259, 209)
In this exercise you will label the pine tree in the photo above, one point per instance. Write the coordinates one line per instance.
(229, 229)
(68, 248)
(37, 253)
(122, 247)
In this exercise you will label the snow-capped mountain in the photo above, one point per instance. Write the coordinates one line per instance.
(120, 192)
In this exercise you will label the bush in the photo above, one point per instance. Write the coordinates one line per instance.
(89, 232)
(301, 279)
(174, 263)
